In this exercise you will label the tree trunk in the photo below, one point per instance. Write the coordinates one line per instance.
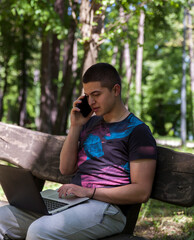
(73, 85)
(125, 53)
(120, 70)
(114, 56)
(45, 102)
(191, 54)
(23, 79)
(127, 60)
(37, 97)
(183, 86)
(55, 62)
(50, 61)
(66, 91)
(139, 64)
(2, 93)
(139, 56)
(90, 32)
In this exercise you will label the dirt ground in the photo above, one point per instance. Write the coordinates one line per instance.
(173, 224)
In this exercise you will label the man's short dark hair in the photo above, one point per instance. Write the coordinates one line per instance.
(104, 73)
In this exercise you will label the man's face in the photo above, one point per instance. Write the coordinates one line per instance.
(101, 99)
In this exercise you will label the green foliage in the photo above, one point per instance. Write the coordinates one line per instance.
(159, 104)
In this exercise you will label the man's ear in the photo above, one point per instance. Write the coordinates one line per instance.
(117, 89)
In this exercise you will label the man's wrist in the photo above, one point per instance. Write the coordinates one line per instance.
(75, 129)
(93, 193)
(76, 126)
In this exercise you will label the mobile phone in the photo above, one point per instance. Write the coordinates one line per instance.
(84, 107)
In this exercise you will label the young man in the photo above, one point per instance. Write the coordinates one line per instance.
(113, 156)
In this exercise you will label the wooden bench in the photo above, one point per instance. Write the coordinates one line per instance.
(39, 152)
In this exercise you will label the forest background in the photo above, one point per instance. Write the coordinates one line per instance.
(46, 45)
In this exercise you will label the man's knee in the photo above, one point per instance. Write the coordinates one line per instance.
(40, 229)
(34, 231)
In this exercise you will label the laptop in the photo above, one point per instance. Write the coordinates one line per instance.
(22, 192)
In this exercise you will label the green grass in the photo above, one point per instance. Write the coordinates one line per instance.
(184, 149)
(179, 148)
(170, 138)
(163, 221)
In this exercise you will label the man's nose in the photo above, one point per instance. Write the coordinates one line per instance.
(91, 100)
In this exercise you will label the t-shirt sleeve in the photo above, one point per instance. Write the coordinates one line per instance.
(142, 145)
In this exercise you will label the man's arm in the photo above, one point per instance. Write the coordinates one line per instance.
(142, 176)
(68, 155)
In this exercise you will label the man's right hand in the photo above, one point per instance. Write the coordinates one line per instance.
(77, 119)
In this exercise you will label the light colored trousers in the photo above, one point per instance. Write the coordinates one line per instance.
(89, 220)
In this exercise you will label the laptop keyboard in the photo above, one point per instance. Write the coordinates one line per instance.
(52, 204)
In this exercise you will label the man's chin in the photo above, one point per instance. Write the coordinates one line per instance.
(98, 114)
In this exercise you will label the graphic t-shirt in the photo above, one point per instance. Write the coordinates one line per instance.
(106, 149)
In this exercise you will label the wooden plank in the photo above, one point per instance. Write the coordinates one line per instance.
(33, 150)
(174, 179)
(173, 161)
(39, 152)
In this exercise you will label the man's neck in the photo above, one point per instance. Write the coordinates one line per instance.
(119, 114)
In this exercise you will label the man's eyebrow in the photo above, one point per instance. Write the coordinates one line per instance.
(96, 91)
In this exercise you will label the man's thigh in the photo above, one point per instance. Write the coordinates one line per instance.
(15, 222)
(89, 220)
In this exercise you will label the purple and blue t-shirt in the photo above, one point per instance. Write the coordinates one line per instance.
(106, 149)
